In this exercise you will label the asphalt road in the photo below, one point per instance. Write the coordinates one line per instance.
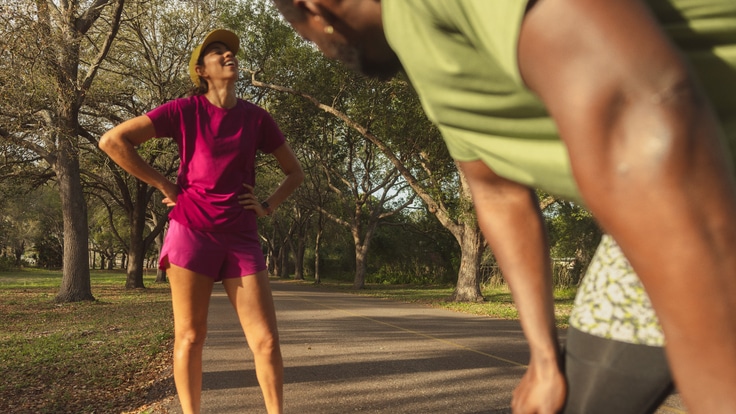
(345, 353)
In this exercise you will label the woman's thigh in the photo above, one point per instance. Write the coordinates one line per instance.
(190, 297)
(252, 299)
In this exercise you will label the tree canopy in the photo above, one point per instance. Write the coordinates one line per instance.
(382, 200)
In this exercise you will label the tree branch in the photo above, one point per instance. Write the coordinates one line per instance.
(435, 208)
(88, 18)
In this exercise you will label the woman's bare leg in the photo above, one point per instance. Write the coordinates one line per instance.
(190, 296)
(251, 297)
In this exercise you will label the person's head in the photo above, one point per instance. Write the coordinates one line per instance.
(214, 60)
(350, 31)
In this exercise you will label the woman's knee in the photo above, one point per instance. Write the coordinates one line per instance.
(266, 343)
(191, 336)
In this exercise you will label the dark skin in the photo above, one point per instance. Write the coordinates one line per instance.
(646, 154)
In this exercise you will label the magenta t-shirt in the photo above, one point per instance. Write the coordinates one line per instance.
(217, 148)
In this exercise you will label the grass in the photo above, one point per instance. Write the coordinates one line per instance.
(107, 355)
(497, 304)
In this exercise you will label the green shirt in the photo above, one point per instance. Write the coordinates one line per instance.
(461, 56)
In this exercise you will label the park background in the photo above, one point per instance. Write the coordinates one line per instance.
(382, 208)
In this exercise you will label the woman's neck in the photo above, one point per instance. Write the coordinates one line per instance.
(222, 96)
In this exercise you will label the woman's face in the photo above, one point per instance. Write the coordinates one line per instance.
(218, 63)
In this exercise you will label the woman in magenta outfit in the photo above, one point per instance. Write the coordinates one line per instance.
(212, 231)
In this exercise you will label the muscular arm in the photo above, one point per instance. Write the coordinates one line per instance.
(645, 152)
(119, 143)
(509, 216)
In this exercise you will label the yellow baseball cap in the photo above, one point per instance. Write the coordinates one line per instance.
(223, 36)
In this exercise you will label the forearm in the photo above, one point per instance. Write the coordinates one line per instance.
(119, 143)
(294, 175)
(515, 233)
(125, 155)
(509, 216)
(287, 186)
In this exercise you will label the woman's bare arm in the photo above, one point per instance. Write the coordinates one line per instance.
(119, 143)
(294, 176)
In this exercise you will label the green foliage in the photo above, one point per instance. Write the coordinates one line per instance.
(49, 250)
(7, 263)
(574, 236)
(413, 248)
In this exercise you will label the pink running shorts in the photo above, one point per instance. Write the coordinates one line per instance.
(219, 255)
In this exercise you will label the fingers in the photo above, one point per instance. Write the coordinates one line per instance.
(539, 395)
(250, 202)
(170, 192)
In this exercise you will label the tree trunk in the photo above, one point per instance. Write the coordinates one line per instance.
(284, 259)
(75, 281)
(470, 238)
(271, 262)
(160, 273)
(317, 241)
(299, 256)
(18, 251)
(467, 288)
(137, 245)
(134, 271)
(361, 262)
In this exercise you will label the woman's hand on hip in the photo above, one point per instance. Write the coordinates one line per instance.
(249, 202)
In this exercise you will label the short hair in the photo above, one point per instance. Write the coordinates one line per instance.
(290, 12)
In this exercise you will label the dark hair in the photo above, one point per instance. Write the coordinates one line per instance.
(287, 9)
(198, 90)
(203, 86)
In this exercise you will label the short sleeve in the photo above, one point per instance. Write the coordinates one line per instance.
(166, 119)
(271, 136)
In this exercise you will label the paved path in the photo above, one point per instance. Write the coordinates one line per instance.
(345, 353)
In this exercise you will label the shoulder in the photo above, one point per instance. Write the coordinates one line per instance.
(253, 110)
(250, 106)
(190, 101)
(478, 33)
(178, 104)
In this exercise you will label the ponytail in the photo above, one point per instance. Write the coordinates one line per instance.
(198, 90)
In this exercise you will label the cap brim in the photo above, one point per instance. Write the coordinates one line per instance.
(225, 37)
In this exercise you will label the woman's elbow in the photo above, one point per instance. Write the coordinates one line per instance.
(298, 176)
(106, 142)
